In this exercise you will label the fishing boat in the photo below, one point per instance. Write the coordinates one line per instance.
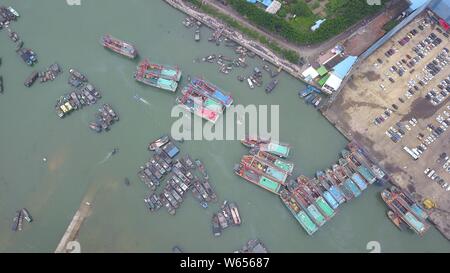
(95, 126)
(300, 215)
(176, 249)
(269, 88)
(309, 191)
(75, 73)
(278, 149)
(197, 35)
(352, 187)
(26, 215)
(202, 191)
(304, 93)
(158, 143)
(13, 11)
(119, 46)
(204, 204)
(216, 229)
(337, 179)
(337, 194)
(208, 101)
(197, 194)
(316, 102)
(252, 142)
(309, 208)
(416, 208)
(342, 175)
(197, 107)
(201, 168)
(171, 210)
(397, 220)
(325, 193)
(254, 246)
(222, 220)
(418, 225)
(28, 56)
(286, 166)
(31, 79)
(254, 177)
(146, 180)
(359, 181)
(168, 195)
(274, 173)
(160, 76)
(209, 190)
(235, 213)
(214, 91)
(187, 160)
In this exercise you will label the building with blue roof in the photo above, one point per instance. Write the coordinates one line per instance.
(342, 68)
(441, 8)
(266, 3)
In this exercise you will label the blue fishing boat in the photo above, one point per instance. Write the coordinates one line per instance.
(332, 187)
(213, 91)
(359, 181)
(352, 187)
(310, 98)
(365, 172)
(326, 193)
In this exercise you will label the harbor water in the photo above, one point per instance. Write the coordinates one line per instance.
(78, 165)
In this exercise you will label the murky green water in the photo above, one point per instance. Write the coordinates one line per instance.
(52, 191)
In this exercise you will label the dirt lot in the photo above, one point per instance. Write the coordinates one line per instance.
(369, 93)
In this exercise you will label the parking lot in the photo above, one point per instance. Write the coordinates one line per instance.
(397, 105)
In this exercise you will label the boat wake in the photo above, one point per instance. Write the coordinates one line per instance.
(140, 99)
(107, 157)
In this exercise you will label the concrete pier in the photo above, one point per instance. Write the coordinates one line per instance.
(74, 226)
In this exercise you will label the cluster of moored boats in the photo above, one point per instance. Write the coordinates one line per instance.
(153, 171)
(227, 64)
(265, 166)
(227, 216)
(48, 75)
(21, 215)
(204, 99)
(7, 15)
(404, 211)
(182, 177)
(311, 95)
(84, 94)
(312, 201)
(105, 117)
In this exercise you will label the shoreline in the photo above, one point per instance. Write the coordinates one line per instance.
(260, 50)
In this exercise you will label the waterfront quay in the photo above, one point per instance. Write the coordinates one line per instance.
(259, 49)
(396, 105)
